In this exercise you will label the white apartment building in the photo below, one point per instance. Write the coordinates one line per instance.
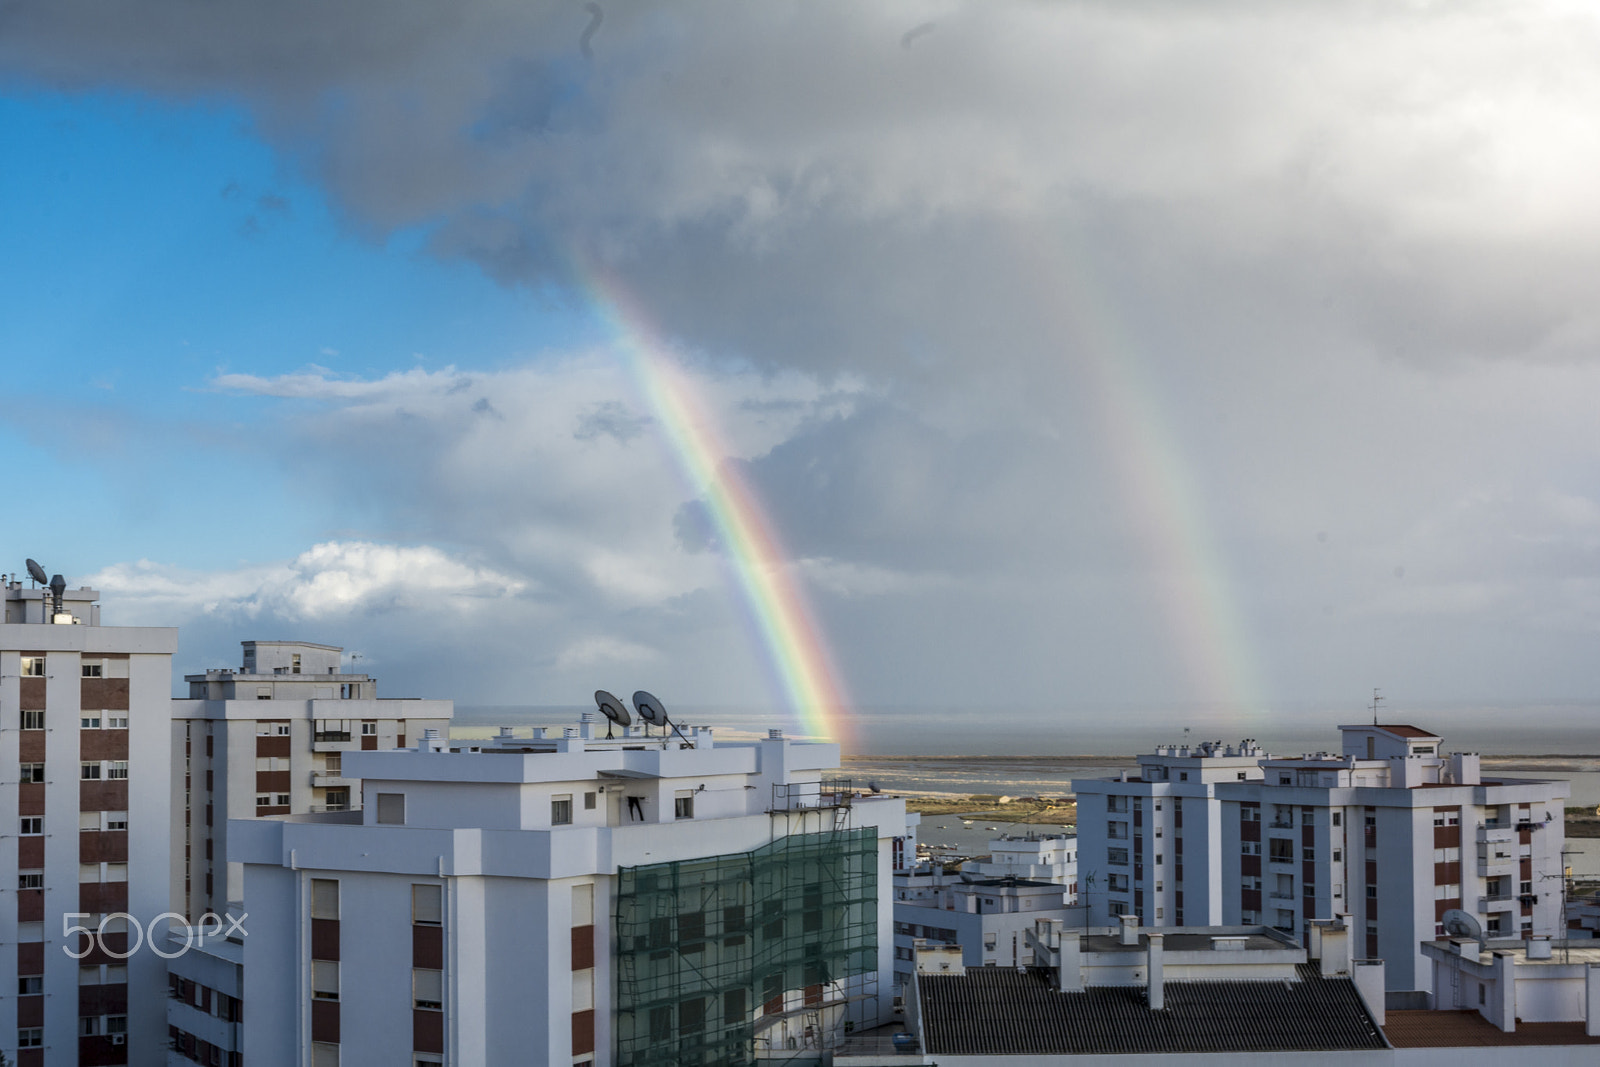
(1396, 833)
(1389, 830)
(1149, 843)
(269, 739)
(1034, 855)
(84, 724)
(568, 899)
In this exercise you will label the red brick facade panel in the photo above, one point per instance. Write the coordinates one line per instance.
(103, 796)
(582, 1032)
(30, 696)
(427, 947)
(103, 846)
(272, 746)
(427, 1030)
(582, 947)
(108, 693)
(102, 744)
(30, 798)
(325, 1020)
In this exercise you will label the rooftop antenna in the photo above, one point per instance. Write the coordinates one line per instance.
(652, 711)
(613, 710)
(1377, 698)
(37, 573)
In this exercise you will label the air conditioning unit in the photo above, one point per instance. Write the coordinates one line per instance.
(119, 1039)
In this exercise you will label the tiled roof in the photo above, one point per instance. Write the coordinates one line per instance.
(1408, 731)
(999, 1011)
(1458, 1029)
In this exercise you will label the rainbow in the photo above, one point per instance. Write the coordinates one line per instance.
(796, 654)
(1160, 491)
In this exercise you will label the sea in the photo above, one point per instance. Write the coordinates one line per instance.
(1031, 751)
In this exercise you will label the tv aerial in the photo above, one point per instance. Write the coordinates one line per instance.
(654, 713)
(1458, 923)
(613, 710)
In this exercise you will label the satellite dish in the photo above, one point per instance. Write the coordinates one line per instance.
(612, 709)
(874, 787)
(37, 573)
(650, 709)
(1458, 923)
(654, 712)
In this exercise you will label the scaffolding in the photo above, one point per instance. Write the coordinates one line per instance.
(725, 959)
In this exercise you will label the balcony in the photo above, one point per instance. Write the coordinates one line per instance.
(1281, 896)
(1528, 824)
(330, 780)
(1495, 835)
(1282, 824)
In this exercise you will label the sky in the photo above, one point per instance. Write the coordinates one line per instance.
(1074, 355)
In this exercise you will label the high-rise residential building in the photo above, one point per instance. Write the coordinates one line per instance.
(1148, 841)
(1395, 832)
(85, 744)
(270, 739)
(567, 898)
(1390, 830)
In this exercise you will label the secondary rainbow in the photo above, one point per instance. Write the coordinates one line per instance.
(791, 642)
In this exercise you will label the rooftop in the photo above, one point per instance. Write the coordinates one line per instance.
(1000, 1011)
(1458, 1029)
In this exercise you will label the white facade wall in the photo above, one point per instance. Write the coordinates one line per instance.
(240, 715)
(142, 656)
(479, 824)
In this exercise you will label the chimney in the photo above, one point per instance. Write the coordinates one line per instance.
(1070, 974)
(1155, 991)
(1130, 929)
(1330, 940)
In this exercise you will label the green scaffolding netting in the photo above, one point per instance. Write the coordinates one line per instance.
(703, 946)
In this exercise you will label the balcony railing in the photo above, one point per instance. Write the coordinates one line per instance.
(331, 735)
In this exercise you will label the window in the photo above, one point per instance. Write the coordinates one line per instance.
(30, 985)
(1117, 856)
(1338, 855)
(89, 771)
(116, 820)
(683, 805)
(324, 1054)
(30, 1037)
(90, 722)
(116, 722)
(427, 989)
(30, 879)
(93, 670)
(561, 810)
(32, 772)
(116, 872)
(1183, 776)
(282, 730)
(1372, 892)
(118, 769)
(1308, 853)
(324, 898)
(1336, 818)
(583, 906)
(1307, 817)
(1117, 830)
(391, 809)
(369, 729)
(1240, 776)
(263, 801)
(282, 799)
(33, 666)
(427, 905)
(588, 802)
(263, 692)
(116, 1024)
(33, 720)
(88, 1026)
(1281, 850)
(32, 825)
(333, 763)
(325, 979)
(294, 660)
